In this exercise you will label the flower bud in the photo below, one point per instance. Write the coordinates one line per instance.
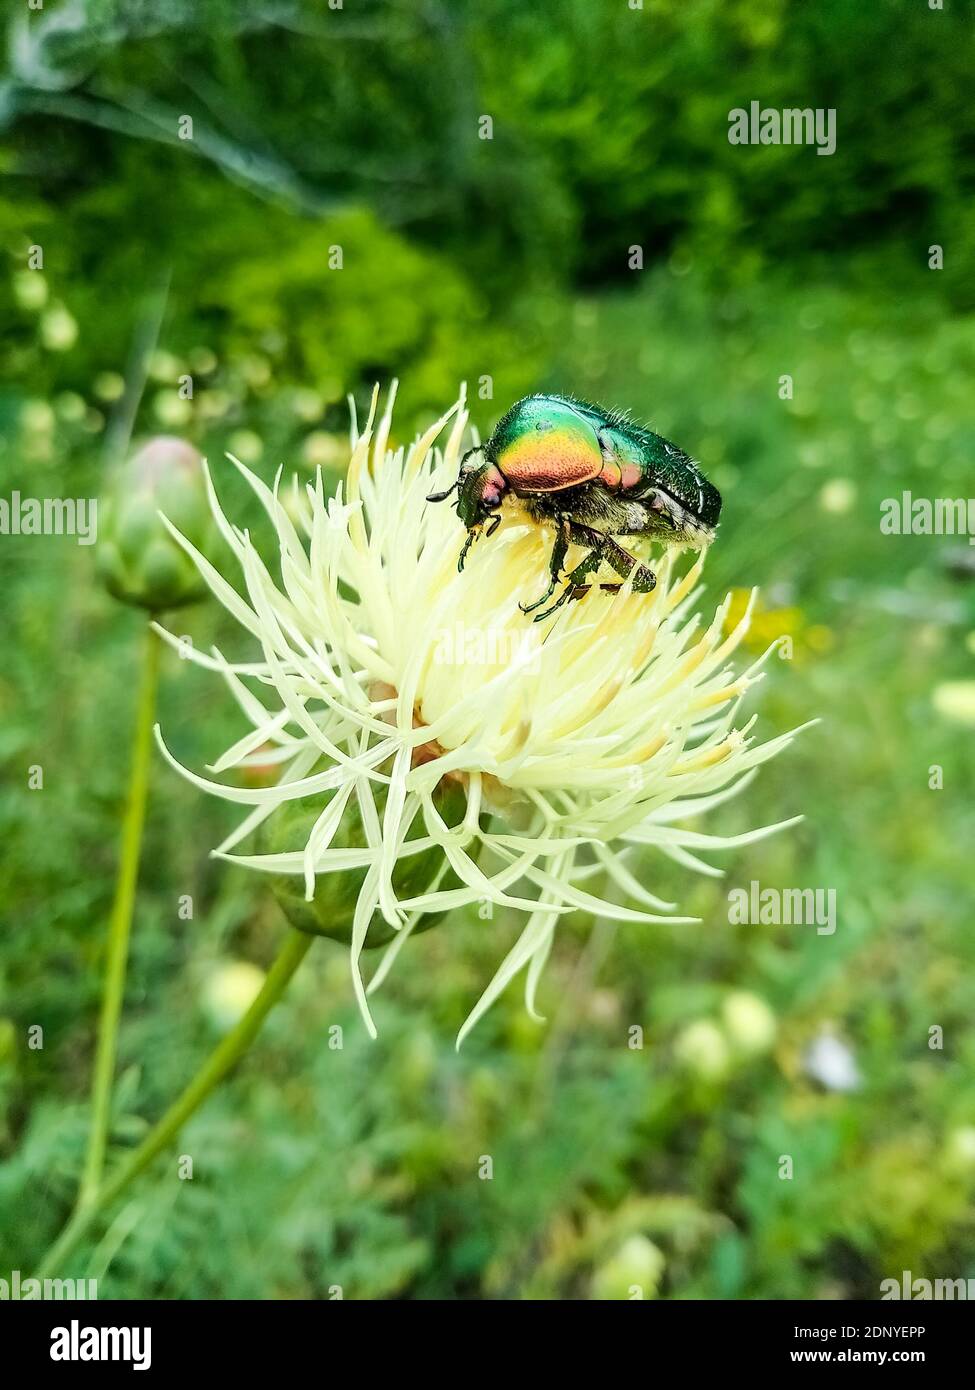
(702, 1049)
(228, 992)
(59, 330)
(331, 910)
(955, 701)
(30, 290)
(634, 1271)
(138, 560)
(749, 1022)
(960, 1149)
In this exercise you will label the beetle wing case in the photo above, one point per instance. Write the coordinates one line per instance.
(544, 444)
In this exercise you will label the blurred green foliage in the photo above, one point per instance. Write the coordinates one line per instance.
(469, 258)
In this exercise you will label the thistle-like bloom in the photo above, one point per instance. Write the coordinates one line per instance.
(570, 745)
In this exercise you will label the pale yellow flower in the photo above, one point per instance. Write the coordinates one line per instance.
(576, 743)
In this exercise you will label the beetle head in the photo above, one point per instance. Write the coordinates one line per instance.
(480, 487)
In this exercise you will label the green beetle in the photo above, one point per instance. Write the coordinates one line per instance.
(593, 475)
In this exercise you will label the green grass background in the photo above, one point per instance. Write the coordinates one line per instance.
(314, 1167)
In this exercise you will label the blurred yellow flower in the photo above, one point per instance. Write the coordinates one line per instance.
(109, 386)
(203, 360)
(70, 406)
(322, 450)
(171, 410)
(36, 417)
(59, 331)
(786, 626)
(228, 992)
(632, 1272)
(214, 403)
(955, 700)
(960, 1149)
(246, 445)
(30, 290)
(838, 496)
(749, 1022)
(307, 404)
(703, 1049)
(256, 370)
(164, 366)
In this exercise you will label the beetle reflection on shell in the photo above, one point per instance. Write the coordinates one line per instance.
(592, 475)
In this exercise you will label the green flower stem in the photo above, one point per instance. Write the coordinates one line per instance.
(219, 1063)
(120, 923)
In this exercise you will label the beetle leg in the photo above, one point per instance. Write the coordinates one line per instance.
(626, 565)
(581, 590)
(587, 535)
(575, 580)
(617, 558)
(493, 523)
(557, 560)
(471, 538)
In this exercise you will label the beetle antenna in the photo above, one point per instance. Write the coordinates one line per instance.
(442, 496)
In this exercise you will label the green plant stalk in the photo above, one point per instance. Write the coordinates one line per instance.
(120, 923)
(219, 1063)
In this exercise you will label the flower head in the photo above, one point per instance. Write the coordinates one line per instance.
(479, 758)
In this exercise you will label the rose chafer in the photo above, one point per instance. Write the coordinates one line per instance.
(591, 475)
